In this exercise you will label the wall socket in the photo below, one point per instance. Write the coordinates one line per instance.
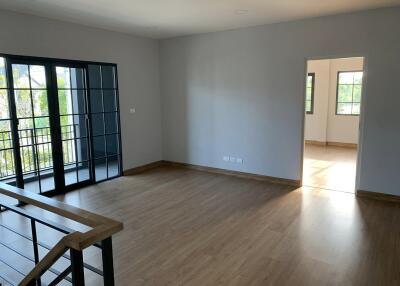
(232, 159)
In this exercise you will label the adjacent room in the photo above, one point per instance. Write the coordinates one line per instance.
(201, 143)
(333, 107)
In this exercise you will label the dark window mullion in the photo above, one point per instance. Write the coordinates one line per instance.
(104, 118)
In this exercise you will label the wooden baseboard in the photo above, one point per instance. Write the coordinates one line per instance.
(294, 183)
(341, 144)
(330, 143)
(378, 196)
(314, 142)
(143, 168)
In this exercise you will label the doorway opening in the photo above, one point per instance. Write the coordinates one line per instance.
(59, 123)
(334, 90)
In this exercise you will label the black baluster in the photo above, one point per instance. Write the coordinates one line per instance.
(108, 267)
(35, 247)
(78, 276)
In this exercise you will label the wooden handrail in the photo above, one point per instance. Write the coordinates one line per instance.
(50, 258)
(101, 227)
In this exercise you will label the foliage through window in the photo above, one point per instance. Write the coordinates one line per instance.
(310, 93)
(349, 87)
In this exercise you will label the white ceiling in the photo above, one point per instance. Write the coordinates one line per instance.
(169, 18)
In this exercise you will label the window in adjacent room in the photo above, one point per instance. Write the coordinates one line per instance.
(310, 93)
(348, 99)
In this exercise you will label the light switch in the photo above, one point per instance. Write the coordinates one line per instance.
(132, 110)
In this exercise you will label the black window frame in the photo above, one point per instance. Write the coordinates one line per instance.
(352, 102)
(312, 74)
(51, 63)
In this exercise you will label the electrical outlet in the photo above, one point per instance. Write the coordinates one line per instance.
(232, 159)
(239, 160)
(226, 158)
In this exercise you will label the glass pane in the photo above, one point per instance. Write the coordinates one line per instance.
(69, 155)
(78, 97)
(3, 78)
(31, 182)
(20, 76)
(110, 102)
(356, 108)
(107, 73)
(38, 76)
(25, 124)
(345, 93)
(80, 126)
(65, 101)
(40, 105)
(111, 122)
(101, 169)
(82, 150)
(112, 145)
(42, 122)
(5, 135)
(96, 104)
(97, 124)
(309, 94)
(94, 76)
(28, 159)
(25, 132)
(4, 110)
(6, 163)
(67, 127)
(309, 81)
(113, 166)
(47, 180)
(358, 77)
(63, 77)
(346, 78)
(45, 155)
(344, 108)
(77, 78)
(23, 103)
(308, 106)
(7, 168)
(357, 93)
(83, 171)
(42, 130)
(70, 175)
(99, 148)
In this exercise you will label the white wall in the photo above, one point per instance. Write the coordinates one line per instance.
(137, 60)
(317, 123)
(324, 125)
(241, 93)
(342, 128)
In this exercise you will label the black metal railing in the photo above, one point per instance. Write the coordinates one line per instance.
(73, 273)
(35, 149)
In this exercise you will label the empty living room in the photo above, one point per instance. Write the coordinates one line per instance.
(199, 143)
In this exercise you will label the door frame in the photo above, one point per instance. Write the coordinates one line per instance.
(362, 125)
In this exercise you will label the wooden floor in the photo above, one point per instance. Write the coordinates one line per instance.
(186, 227)
(330, 167)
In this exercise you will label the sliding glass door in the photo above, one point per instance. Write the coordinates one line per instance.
(104, 114)
(73, 114)
(30, 99)
(59, 124)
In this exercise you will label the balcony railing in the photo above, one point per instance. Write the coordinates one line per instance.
(99, 233)
(36, 150)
